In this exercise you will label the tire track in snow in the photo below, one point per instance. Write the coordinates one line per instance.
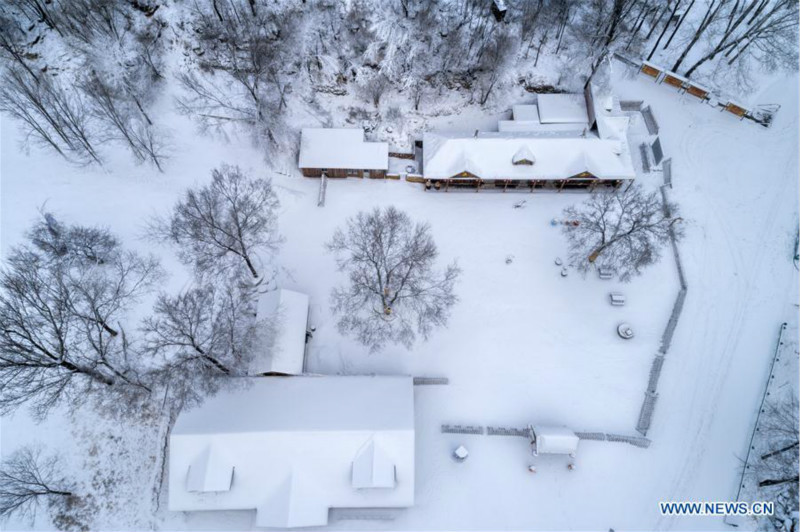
(719, 366)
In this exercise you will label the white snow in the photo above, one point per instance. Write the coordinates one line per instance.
(525, 112)
(342, 148)
(523, 345)
(562, 109)
(556, 158)
(212, 470)
(293, 443)
(555, 440)
(282, 321)
(373, 468)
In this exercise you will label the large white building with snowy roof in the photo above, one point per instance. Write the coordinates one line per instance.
(291, 448)
(563, 141)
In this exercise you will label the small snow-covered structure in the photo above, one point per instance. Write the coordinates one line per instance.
(553, 440)
(282, 322)
(562, 109)
(341, 152)
(293, 448)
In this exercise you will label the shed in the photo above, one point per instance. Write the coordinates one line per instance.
(282, 322)
(698, 91)
(297, 447)
(674, 80)
(649, 69)
(554, 440)
(735, 108)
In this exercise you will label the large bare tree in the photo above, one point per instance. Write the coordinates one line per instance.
(28, 478)
(232, 218)
(206, 329)
(621, 230)
(394, 292)
(61, 309)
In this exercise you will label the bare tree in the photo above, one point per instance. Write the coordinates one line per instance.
(493, 64)
(394, 292)
(246, 52)
(27, 478)
(125, 120)
(50, 114)
(774, 468)
(622, 230)
(61, 338)
(205, 330)
(375, 87)
(768, 26)
(233, 217)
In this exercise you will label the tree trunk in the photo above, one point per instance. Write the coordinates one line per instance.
(250, 266)
(672, 36)
(666, 26)
(777, 481)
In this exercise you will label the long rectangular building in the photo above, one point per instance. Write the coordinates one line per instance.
(291, 448)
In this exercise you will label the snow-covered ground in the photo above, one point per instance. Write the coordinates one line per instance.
(524, 345)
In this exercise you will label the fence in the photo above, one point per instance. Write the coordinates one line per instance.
(650, 120)
(651, 394)
(761, 114)
(462, 429)
(424, 381)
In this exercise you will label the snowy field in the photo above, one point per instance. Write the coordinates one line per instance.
(524, 345)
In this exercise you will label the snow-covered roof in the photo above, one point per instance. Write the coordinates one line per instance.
(562, 109)
(299, 446)
(538, 129)
(211, 470)
(341, 148)
(372, 467)
(526, 112)
(282, 317)
(556, 158)
(555, 440)
(612, 123)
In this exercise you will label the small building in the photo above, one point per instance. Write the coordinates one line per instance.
(282, 323)
(291, 449)
(554, 440)
(674, 80)
(735, 109)
(651, 70)
(698, 91)
(341, 152)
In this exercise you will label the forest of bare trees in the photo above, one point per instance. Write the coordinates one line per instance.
(244, 59)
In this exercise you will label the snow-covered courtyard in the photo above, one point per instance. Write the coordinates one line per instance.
(525, 344)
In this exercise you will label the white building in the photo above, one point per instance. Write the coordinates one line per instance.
(341, 152)
(554, 440)
(282, 323)
(561, 141)
(292, 448)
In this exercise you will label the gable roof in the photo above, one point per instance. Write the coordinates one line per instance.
(292, 503)
(556, 157)
(341, 148)
(212, 470)
(524, 154)
(293, 442)
(372, 467)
